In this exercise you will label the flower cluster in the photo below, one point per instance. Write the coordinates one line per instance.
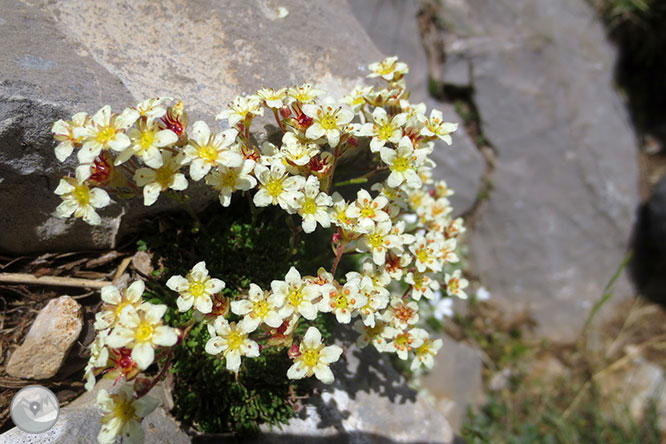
(401, 227)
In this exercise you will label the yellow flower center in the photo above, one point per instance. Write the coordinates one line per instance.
(423, 256)
(229, 179)
(295, 297)
(143, 332)
(454, 285)
(163, 176)
(367, 212)
(328, 122)
(120, 307)
(146, 140)
(309, 206)
(261, 309)
(402, 341)
(374, 332)
(376, 240)
(235, 340)
(197, 289)
(401, 164)
(403, 313)
(424, 349)
(311, 357)
(385, 132)
(124, 410)
(274, 187)
(341, 301)
(105, 135)
(208, 153)
(82, 194)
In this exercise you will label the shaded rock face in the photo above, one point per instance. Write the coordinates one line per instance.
(46, 345)
(648, 264)
(393, 27)
(62, 57)
(369, 402)
(556, 225)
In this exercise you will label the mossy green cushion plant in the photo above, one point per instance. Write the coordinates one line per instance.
(252, 293)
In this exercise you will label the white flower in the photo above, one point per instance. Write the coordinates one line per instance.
(405, 341)
(377, 298)
(260, 306)
(435, 126)
(424, 355)
(403, 163)
(367, 210)
(206, 150)
(454, 229)
(104, 131)
(338, 213)
(314, 358)
(273, 99)
(241, 109)
(304, 94)
(482, 294)
(276, 186)
(297, 151)
(378, 241)
(99, 357)
(146, 141)
(328, 120)
(122, 415)
(422, 285)
(231, 340)
(142, 331)
(401, 314)
(385, 128)
(165, 177)
(80, 200)
(388, 69)
(226, 180)
(298, 295)
(152, 108)
(357, 97)
(343, 302)
(196, 289)
(447, 252)
(425, 254)
(456, 284)
(443, 308)
(313, 206)
(378, 335)
(63, 132)
(115, 302)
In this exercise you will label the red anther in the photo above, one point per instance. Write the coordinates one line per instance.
(304, 121)
(171, 120)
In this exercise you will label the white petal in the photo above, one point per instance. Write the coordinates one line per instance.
(165, 336)
(296, 371)
(143, 354)
(312, 338)
(323, 373)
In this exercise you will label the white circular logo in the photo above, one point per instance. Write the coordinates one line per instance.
(34, 409)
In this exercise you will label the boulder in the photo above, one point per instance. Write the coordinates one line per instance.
(62, 57)
(393, 27)
(79, 422)
(48, 341)
(555, 227)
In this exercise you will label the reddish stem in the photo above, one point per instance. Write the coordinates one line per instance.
(338, 255)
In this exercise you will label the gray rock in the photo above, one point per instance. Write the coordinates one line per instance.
(61, 57)
(46, 345)
(456, 381)
(393, 27)
(369, 402)
(78, 422)
(556, 226)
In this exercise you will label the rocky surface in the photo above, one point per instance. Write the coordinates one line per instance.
(456, 381)
(79, 422)
(61, 57)
(556, 224)
(46, 345)
(393, 27)
(369, 402)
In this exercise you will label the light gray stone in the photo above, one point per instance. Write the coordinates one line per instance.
(393, 27)
(369, 402)
(78, 422)
(48, 341)
(61, 57)
(556, 226)
(456, 381)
